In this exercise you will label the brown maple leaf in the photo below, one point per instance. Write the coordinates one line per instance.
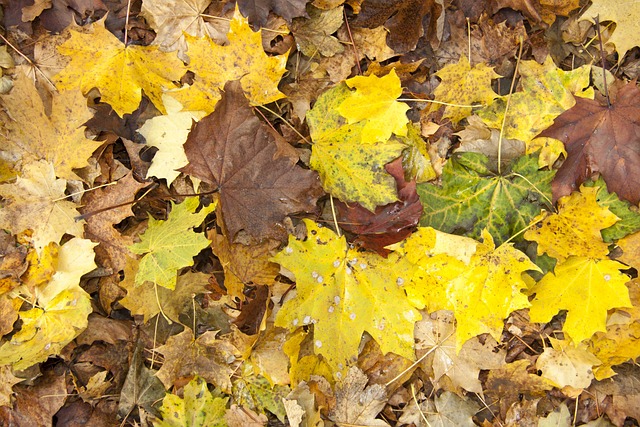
(257, 11)
(601, 138)
(259, 183)
(389, 223)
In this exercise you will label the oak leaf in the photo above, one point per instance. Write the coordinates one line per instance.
(374, 101)
(604, 139)
(197, 407)
(169, 245)
(37, 201)
(258, 180)
(473, 197)
(460, 84)
(575, 229)
(58, 138)
(547, 91)
(349, 168)
(61, 311)
(586, 288)
(343, 293)
(99, 60)
(480, 283)
(242, 59)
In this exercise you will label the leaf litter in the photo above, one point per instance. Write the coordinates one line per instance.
(247, 215)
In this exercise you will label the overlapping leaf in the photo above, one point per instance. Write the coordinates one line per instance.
(473, 197)
(343, 293)
(259, 181)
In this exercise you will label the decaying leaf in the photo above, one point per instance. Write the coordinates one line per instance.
(197, 408)
(357, 405)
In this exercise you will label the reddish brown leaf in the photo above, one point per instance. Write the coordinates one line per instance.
(403, 19)
(259, 185)
(257, 11)
(601, 139)
(388, 224)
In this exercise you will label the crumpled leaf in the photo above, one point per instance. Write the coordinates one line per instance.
(169, 245)
(374, 101)
(586, 288)
(60, 314)
(350, 169)
(242, 59)
(575, 229)
(445, 410)
(546, 92)
(343, 293)
(37, 201)
(357, 405)
(120, 72)
(197, 408)
(257, 11)
(624, 37)
(313, 35)
(58, 138)
(618, 345)
(258, 179)
(463, 85)
(206, 356)
(604, 139)
(402, 19)
(171, 20)
(480, 283)
(473, 197)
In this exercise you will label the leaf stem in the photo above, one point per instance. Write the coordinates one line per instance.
(126, 23)
(506, 108)
(439, 102)
(335, 219)
(26, 58)
(353, 44)
(604, 76)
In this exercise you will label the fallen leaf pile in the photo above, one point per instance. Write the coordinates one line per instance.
(318, 213)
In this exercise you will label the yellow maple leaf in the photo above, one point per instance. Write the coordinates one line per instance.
(374, 101)
(343, 293)
(58, 138)
(460, 84)
(242, 59)
(546, 93)
(586, 288)
(99, 60)
(482, 285)
(37, 201)
(60, 313)
(575, 229)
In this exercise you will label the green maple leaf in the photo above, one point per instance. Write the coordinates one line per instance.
(629, 219)
(171, 244)
(343, 293)
(473, 197)
(350, 168)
